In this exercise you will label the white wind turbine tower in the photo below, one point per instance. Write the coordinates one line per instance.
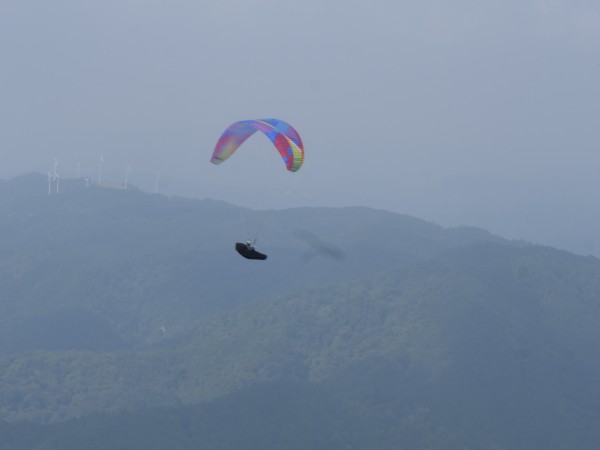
(55, 175)
(49, 183)
(127, 170)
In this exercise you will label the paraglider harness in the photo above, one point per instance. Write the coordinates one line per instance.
(248, 251)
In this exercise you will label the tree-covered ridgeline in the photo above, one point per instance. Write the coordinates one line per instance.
(128, 319)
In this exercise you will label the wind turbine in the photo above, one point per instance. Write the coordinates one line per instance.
(127, 170)
(49, 183)
(55, 175)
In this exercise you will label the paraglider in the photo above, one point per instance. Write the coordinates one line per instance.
(283, 136)
(248, 251)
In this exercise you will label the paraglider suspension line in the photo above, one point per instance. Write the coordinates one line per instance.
(243, 220)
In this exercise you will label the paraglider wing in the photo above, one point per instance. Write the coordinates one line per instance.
(285, 138)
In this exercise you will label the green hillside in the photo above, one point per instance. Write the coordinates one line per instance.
(122, 264)
(128, 321)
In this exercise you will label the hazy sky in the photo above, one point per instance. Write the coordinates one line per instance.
(467, 112)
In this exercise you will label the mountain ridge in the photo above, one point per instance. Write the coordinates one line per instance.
(454, 338)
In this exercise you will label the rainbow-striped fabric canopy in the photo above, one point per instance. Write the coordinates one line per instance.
(282, 134)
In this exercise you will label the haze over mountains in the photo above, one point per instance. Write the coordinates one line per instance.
(128, 319)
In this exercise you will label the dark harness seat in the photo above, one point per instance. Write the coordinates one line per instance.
(249, 252)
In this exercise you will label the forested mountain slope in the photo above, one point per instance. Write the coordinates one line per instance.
(364, 329)
(103, 269)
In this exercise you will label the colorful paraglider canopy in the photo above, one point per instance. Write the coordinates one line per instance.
(249, 252)
(285, 138)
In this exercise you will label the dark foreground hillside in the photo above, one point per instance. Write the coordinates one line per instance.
(270, 416)
(433, 339)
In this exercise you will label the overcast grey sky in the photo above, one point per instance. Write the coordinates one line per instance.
(466, 112)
